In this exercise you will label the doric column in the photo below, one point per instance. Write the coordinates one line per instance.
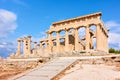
(40, 45)
(66, 41)
(18, 47)
(24, 46)
(35, 48)
(91, 42)
(106, 42)
(58, 41)
(29, 45)
(35, 45)
(103, 42)
(76, 40)
(98, 37)
(50, 43)
(87, 38)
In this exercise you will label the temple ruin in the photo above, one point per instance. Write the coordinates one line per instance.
(70, 41)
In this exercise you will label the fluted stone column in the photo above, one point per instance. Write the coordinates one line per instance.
(40, 45)
(66, 41)
(98, 37)
(87, 38)
(18, 47)
(24, 46)
(29, 45)
(103, 42)
(58, 41)
(50, 43)
(107, 44)
(76, 40)
(35, 48)
(91, 42)
(35, 45)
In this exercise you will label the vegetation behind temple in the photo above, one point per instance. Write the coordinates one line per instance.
(112, 50)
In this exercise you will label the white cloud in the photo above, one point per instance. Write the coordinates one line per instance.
(114, 34)
(39, 36)
(6, 48)
(2, 46)
(7, 22)
(114, 38)
(113, 26)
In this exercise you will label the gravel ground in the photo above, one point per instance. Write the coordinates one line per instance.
(92, 72)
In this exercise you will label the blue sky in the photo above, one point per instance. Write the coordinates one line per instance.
(33, 17)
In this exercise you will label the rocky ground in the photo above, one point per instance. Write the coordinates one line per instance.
(4, 75)
(10, 69)
(91, 72)
(105, 69)
(100, 69)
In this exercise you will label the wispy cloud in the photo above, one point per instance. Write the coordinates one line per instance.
(39, 36)
(114, 34)
(7, 22)
(20, 2)
(7, 26)
(114, 40)
(114, 26)
(111, 24)
(6, 48)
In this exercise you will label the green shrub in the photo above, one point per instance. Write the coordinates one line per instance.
(117, 51)
(82, 52)
(111, 50)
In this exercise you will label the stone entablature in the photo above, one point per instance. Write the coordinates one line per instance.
(84, 21)
(71, 40)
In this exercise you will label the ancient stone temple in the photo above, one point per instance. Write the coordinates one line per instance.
(70, 41)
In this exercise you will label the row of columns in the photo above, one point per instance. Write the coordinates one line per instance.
(26, 45)
(67, 40)
(101, 41)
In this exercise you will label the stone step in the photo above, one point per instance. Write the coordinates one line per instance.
(48, 70)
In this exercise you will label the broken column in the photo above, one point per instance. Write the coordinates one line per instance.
(18, 48)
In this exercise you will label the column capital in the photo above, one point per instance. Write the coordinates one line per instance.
(29, 36)
(19, 40)
(87, 26)
(99, 24)
(35, 42)
(66, 29)
(76, 28)
(58, 32)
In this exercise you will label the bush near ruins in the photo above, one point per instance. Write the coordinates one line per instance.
(112, 50)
